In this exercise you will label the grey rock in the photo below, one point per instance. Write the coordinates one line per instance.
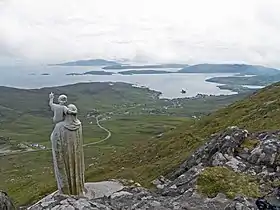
(121, 194)
(225, 143)
(236, 165)
(266, 153)
(218, 159)
(161, 182)
(66, 207)
(241, 203)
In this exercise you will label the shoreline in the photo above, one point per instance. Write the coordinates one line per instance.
(159, 93)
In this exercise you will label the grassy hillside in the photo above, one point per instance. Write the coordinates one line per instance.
(145, 162)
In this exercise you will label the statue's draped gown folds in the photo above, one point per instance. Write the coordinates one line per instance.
(68, 156)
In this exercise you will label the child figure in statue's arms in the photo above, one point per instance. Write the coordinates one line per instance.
(60, 109)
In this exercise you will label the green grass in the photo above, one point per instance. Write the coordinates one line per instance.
(214, 180)
(250, 143)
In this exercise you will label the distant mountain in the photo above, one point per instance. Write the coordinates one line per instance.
(92, 62)
(144, 72)
(145, 66)
(91, 73)
(230, 68)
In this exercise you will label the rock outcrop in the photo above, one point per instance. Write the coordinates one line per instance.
(254, 155)
(140, 198)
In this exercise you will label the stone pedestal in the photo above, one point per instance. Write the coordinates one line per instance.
(93, 190)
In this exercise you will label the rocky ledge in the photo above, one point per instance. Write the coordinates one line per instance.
(229, 172)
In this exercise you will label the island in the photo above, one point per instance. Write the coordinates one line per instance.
(241, 69)
(91, 62)
(45, 74)
(131, 72)
(91, 73)
(154, 66)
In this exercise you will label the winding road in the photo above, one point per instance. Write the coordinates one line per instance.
(109, 134)
(101, 127)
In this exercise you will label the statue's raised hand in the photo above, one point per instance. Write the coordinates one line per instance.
(51, 95)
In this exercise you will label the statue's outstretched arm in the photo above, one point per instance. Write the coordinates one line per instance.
(51, 97)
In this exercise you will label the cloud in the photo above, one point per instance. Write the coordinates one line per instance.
(150, 31)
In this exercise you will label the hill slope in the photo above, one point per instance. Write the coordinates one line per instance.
(145, 162)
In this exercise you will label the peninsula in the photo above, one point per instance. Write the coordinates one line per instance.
(131, 72)
(91, 73)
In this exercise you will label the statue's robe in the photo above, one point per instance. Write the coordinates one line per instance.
(68, 156)
(6, 202)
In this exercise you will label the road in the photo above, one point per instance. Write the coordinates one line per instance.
(109, 134)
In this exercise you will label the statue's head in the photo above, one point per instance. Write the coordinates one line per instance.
(72, 109)
(62, 99)
(71, 120)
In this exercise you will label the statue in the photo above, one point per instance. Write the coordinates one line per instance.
(67, 148)
(6, 202)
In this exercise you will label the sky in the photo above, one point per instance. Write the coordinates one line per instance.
(148, 31)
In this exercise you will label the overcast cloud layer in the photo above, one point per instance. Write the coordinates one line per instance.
(189, 31)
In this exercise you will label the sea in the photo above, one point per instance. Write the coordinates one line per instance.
(170, 85)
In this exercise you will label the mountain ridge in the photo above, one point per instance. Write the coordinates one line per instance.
(147, 66)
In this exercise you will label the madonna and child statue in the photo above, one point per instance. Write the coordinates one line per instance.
(67, 147)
